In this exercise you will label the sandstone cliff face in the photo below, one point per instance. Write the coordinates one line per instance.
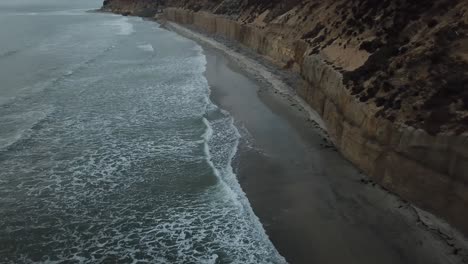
(409, 58)
(389, 79)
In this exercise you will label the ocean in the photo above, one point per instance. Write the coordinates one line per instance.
(111, 150)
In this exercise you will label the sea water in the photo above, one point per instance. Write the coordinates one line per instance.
(110, 148)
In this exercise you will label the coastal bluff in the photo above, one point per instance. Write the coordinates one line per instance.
(389, 79)
(143, 8)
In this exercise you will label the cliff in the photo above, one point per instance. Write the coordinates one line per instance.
(388, 77)
(143, 8)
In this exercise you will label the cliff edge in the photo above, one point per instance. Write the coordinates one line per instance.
(142, 8)
(388, 77)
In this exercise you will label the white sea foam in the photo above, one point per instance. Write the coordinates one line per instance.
(71, 12)
(221, 144)
(146, 47)
(222, 135)
(22, 14)
(207, 137)
(122, 25)
(128, 165)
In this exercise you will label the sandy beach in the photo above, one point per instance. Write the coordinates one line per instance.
(315, 206)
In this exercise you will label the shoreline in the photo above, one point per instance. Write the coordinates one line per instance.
(256, 67)
(432, 241)
(421, 166)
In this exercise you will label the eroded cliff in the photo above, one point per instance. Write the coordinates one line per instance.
(143, 8)
(389, 78)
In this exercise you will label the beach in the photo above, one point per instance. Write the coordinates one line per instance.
(315, 206)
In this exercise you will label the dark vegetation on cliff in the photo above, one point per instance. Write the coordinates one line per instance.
(143, 8)
(408, 58)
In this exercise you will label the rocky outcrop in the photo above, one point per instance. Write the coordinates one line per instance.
(389, 79)
(143, 8)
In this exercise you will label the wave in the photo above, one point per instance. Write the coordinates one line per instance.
(153, 156)
(221, 142)
(71, 12)
(123, 26)
(146, 47)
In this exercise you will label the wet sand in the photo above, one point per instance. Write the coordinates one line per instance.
(315, 206)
